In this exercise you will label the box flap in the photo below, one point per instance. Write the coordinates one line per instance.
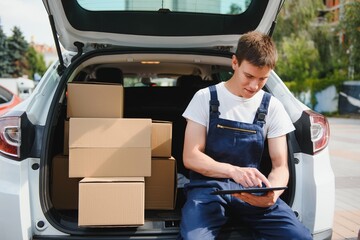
(161, 121)
(111, 179)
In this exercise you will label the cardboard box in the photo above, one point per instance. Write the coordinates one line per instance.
(95, 100)
(66, 138)
(109, 147)
(111, 201)
(64, 190)
(160, 188)
(161, 138)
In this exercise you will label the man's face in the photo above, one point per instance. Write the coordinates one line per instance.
(249, 79)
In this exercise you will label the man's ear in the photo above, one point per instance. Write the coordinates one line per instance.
(234, 62)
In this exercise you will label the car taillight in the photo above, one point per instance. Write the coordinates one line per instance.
(319, 130)
(10, 136)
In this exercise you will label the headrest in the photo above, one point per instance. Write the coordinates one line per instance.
(109, 75)
(188, 80)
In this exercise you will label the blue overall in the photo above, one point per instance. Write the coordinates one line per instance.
(239, 144)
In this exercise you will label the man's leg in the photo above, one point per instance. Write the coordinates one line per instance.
(202, 215)
(279, 222)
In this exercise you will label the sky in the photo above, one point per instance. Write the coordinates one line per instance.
(30, 16)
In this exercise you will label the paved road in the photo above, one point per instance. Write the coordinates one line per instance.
(345, 159)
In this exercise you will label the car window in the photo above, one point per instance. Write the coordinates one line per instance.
(138, 81)
(197, 6)
(5, 95)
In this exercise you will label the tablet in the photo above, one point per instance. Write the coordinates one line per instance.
(249, 190)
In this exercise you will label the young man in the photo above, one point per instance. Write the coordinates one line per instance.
(224, 138)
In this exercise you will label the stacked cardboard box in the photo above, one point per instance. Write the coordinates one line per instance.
(161, 137)
(65, 190)
(112, 155)
(160, 187)
(110, 147)
(111, 201)
(93, 100)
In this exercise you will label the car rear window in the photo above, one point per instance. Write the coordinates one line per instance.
(194, 6)
(154, 81)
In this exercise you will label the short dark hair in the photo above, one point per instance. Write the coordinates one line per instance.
(256, 48)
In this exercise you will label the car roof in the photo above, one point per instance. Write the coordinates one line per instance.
(92, 23)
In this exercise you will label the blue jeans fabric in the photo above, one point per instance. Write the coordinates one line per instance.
(240, 144)
(204, 214)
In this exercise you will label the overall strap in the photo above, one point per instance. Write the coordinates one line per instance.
(214, 102)
(262, 110)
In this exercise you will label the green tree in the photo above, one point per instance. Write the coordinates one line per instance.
(235, 9)
(36, 62)
(297, 24)
(299, 61)
(298, 56)
(328, 47)
(4, 55)
(350, 25)
(295, 18)
(17, 46)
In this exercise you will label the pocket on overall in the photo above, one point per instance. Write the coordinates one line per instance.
(236, 143)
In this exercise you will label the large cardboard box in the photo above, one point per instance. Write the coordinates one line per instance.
(64, 190)
(111, 201)
(92, 100)
(109, 147)
(160, 188)
(161, 138)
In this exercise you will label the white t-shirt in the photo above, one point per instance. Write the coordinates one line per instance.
(239, 109)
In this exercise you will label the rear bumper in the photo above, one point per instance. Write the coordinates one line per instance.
(324, 235)
(15, 220)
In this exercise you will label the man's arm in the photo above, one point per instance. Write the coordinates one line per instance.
(278, 150)
(195, 159)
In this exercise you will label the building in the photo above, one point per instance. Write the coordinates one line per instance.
(49, 52)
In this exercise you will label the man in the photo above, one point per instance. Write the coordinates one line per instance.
(224, 138)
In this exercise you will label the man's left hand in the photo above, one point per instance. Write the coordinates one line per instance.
(264, 201)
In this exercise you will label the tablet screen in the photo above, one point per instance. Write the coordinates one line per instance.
(248, 190)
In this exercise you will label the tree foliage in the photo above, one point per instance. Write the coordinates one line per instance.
(350, 26)
(312, 55)
(236, 9)
(18, 57)
(17, 47)
(299, 59)
(4, 55)
(36, 62)
(295, 18)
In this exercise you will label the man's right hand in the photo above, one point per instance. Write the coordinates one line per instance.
(248, 177)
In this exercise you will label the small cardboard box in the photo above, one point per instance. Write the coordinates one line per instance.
(64, 190)
(66, 138)
(111, 201)
(95, 100)
(109, 147)
(160, 188)
(161, 138)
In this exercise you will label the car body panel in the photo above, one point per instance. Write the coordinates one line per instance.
(15, 211)
(152, 29)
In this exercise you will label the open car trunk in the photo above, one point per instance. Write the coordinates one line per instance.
(174, 80)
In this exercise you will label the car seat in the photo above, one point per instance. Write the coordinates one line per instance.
(109, 75)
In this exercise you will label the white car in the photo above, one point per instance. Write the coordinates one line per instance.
(166, 50)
